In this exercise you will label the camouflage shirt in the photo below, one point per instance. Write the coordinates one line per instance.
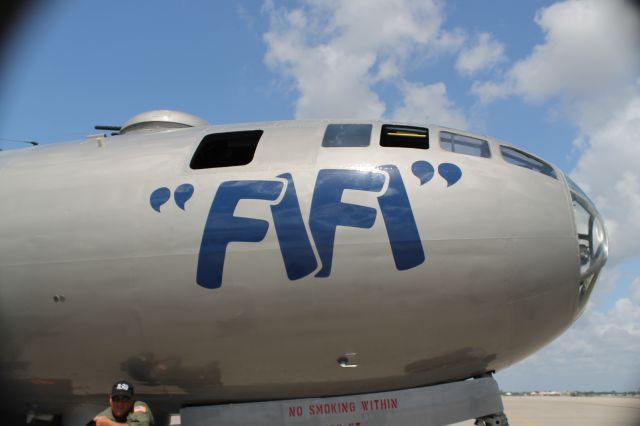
(140, 415)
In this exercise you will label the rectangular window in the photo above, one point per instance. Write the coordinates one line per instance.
(226, 149)
(404, 137)
(347, 135)
(464, 144)
(522, 159)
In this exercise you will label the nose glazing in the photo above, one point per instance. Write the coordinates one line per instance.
(593, 244)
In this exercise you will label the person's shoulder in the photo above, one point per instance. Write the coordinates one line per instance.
(140, 407)
(140, 414)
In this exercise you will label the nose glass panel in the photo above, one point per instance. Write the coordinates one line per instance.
(593, 244)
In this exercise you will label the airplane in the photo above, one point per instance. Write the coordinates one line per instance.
(211, 264)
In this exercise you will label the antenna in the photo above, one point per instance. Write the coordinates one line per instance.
(110, 128)
(115, 130)
(34, 143)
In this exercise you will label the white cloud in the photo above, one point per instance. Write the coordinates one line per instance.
(488, 91)
(319, 70)
(387, 70)
(335, 52)
(485, 53)
(589, 45)
(429, 104)
(635, 290)
(449, 41)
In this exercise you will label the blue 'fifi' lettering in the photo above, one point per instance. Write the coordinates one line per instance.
(327, 213)
(297, 253)
(406, 245)
(223, 227)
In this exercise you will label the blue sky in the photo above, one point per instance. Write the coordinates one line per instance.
(558, 78)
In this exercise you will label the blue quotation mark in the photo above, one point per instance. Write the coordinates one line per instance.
(424, 171)
(181, 195)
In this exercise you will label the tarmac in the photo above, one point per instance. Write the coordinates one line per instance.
(567, 410)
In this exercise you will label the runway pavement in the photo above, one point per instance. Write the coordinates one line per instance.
(566, 410)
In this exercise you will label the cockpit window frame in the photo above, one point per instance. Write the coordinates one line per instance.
(528, 161)
(471, 142)
(347, 135)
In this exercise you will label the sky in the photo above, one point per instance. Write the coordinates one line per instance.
(560, 79)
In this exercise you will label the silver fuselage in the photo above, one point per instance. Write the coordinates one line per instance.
(96, 285)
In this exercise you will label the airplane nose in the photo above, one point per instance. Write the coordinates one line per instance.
(593, 243)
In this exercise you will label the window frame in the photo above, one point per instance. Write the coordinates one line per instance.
(406, 142)
(327, 129)
(546, 169)
(200, 158)
(483, 147)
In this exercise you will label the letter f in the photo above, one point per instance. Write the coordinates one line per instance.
(223, 227)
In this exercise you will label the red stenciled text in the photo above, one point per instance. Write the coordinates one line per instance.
(295, 411)
(332, 408)
(379, 404)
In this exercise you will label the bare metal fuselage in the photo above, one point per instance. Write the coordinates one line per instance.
(96, 285)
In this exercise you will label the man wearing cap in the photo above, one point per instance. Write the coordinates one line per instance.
(123, 409)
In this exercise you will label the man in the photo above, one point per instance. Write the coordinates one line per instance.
(123, 409)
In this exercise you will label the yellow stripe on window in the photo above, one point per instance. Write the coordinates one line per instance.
(410, 135)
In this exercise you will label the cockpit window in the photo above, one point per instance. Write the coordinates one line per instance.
(347, 135)
(583, 227)
(226, 149)
(592, 236)
(575, 188)
(464, 144)
(522, 159)
(593, 244)
(404, 137)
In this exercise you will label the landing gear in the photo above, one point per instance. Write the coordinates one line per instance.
(498, 419)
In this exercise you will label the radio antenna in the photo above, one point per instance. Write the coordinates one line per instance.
(110, 128)
(34, 143)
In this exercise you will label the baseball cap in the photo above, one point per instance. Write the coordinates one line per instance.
(122, 388)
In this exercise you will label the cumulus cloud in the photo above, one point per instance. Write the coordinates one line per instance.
(335, 52)
(593, 340)
(485, 53)
(589, 45)
(635, 290)
(428, 104)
